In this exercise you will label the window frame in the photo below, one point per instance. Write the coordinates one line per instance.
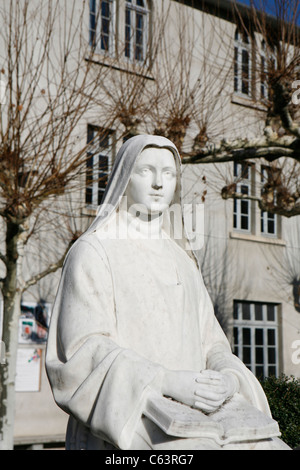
(242, 47)
(131, 41)
(263, 72)
(265, 216)
(243, 184)
(94, 183)
(95, 29)
(264, 344)
(266, 58)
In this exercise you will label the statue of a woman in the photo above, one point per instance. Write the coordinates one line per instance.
(132, 317)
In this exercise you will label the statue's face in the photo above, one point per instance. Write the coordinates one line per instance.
(153, 180)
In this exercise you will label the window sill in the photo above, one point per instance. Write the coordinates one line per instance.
(121, 65)
(247, 102)
(257, 238)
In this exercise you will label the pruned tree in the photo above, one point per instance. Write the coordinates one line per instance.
(47, 86)
(277, 90)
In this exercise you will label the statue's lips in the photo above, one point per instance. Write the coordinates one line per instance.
(156, 195)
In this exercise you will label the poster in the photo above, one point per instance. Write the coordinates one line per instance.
(28, 370)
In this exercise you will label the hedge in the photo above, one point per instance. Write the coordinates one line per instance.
(283, 394)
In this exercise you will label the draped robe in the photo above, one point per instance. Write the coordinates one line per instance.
(126, 310)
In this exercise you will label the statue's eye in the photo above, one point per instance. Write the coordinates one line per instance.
(145, 171)
(169, 173)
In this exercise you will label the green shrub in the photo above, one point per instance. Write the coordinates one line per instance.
(283, 394)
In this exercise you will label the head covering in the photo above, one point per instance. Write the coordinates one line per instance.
(122, 170)
(120, 177)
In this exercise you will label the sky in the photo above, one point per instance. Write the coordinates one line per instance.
(270, 6)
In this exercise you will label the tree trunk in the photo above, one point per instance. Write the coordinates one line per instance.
(12, 292)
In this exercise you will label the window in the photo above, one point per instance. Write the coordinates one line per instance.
(242, 207)
(102, 25)
(99, 163)
(242, 64)
(267, 65)
(136, 29)
(263, 72)
(269, 221)
(256, 336)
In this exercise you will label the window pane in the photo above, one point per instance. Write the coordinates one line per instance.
(244, 223)
(139, 21)
(89, 180)
(271, 370)
(247, 355)
(246, 311)
(127, 17)
(262, 223)
(100, 196)
(244, 207)
(103, 165)
(236, 335)
(245, 63)
(271, 337)
(259, 355)
(245, 171)
(105, 9)
(127, 33)
(246, 336)
(235, 70)
(244, 190)
(270, 312)
(89, 196)
(92, 22)
(271, 226)
(236, 308)
(258, 312)
(271, 355)
(259, 372)
(245, 71)
(234, 221)
(259, 336)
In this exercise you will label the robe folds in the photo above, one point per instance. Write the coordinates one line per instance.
(109, 345)
(128, 307)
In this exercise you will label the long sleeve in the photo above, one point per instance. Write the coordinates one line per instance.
(99, 383)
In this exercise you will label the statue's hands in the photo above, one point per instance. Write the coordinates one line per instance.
(181, 385)
(213, 388)
(206, 390)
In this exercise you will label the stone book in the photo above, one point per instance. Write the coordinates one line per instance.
(235, 421)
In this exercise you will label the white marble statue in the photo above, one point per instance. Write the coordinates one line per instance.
(133, 321)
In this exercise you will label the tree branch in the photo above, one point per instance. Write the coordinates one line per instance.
(290, 210)
(243, 149)
(50, 269)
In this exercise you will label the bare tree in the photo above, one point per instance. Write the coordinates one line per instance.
(47, 84)
(191, 73)
(279, 143)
